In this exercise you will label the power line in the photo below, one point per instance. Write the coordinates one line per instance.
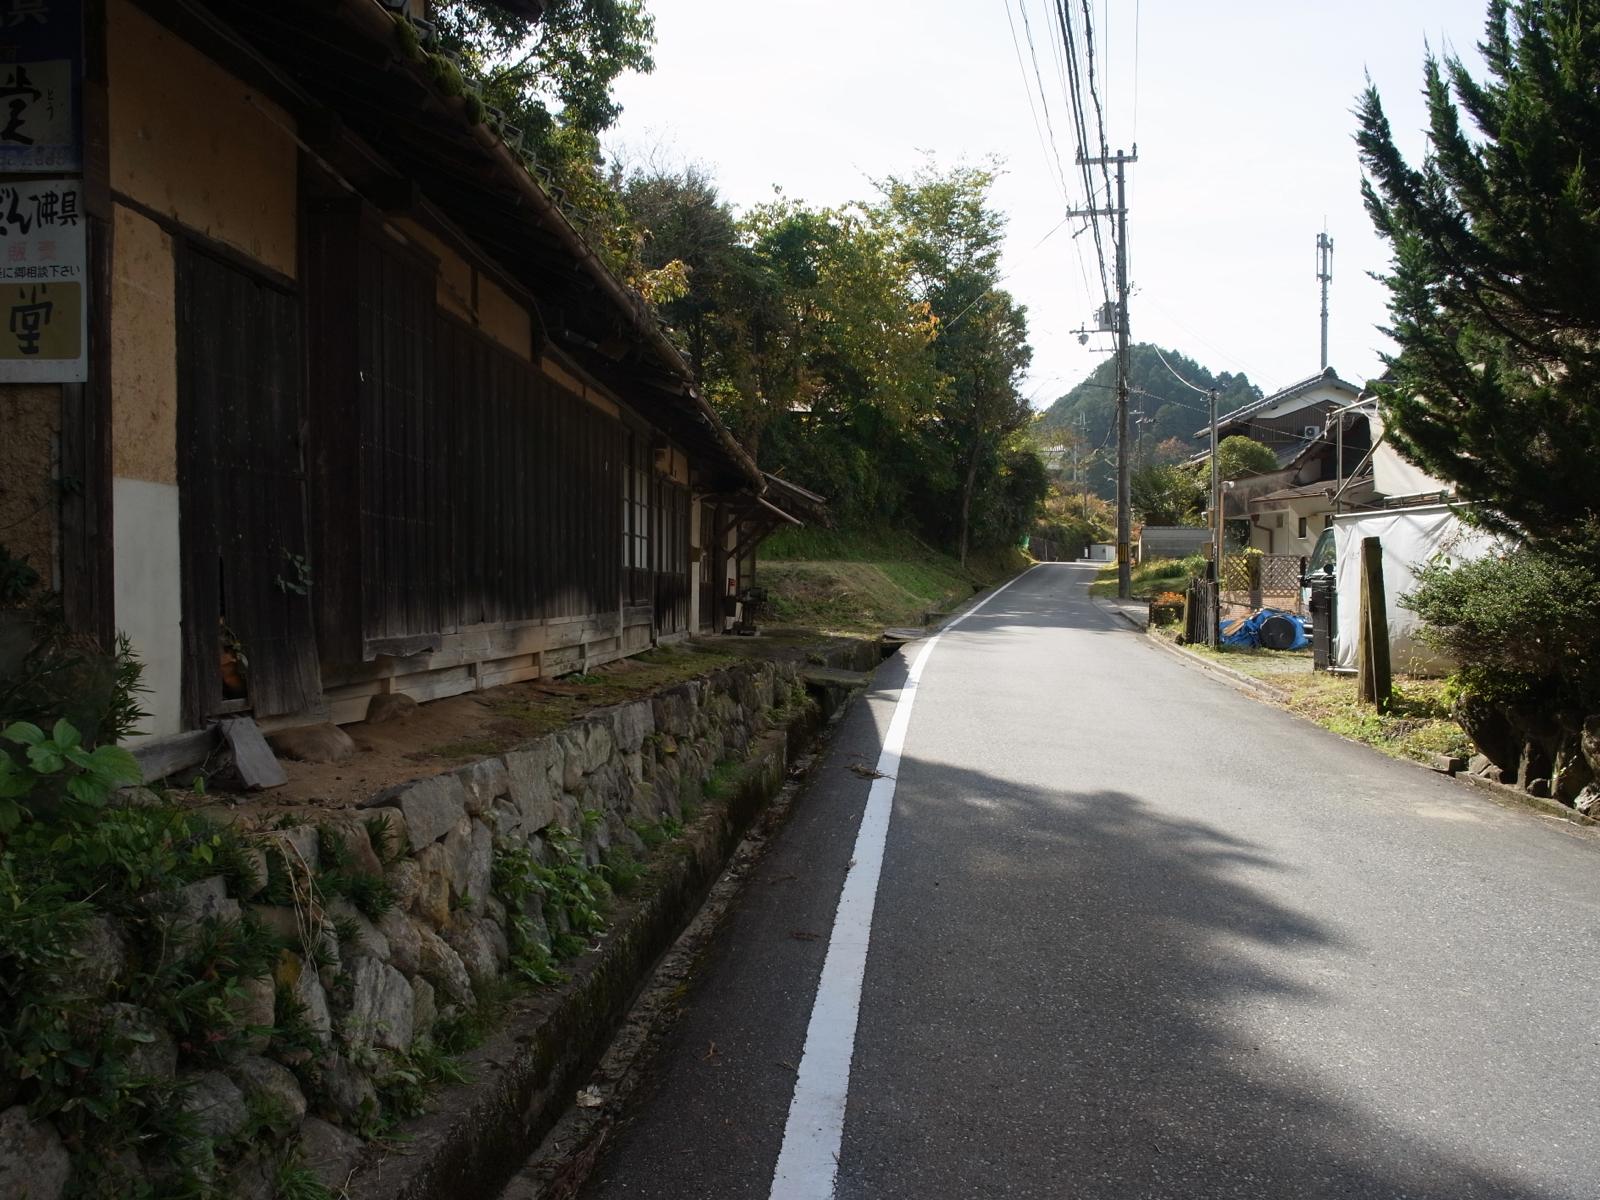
(1191, 386)
(1048, 146)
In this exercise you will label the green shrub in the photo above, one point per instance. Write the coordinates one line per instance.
(48, 673)
(1524, 626)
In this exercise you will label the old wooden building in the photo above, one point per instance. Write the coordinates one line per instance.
(363, 411)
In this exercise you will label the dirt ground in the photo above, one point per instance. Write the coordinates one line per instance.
(449, 733)
(445, 734)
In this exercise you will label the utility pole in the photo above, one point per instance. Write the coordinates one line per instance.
(1120, 215)
(1083, 434)
(1216, 493)
(1324, 276)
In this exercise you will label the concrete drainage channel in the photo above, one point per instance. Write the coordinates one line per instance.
(515, 1120)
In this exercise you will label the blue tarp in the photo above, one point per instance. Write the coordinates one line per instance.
(1248, 631)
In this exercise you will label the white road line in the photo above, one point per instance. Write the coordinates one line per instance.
(809, 1159)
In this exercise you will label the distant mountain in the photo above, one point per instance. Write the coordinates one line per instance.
(1170, 409)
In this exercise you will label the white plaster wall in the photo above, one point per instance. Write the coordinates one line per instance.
(694, 566)
(149, 603)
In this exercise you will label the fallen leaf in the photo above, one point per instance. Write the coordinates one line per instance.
(867, 772)
(590, 1098)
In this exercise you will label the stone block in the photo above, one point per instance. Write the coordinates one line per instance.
(279, 920)
(431, 809)
(495, 934)
(380, 1006)
(302, 844)
(598, 745)
(405, 944)
(535, 776)
(329, 1153)
(631, 724)
(99, 958)
(424, 1008)
(367, 941)
(347, 1092)
(255, 1007)
(216, 1105)
(34, 1165)
(432, 901)
(441, 966)
(295, 974)
(270, 1086)
(475, 948)
(483, 783)
(351, 835)
(142, 1041)
(405, 877)
(480, 865)
(201, 901)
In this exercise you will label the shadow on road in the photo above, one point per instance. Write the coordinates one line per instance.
(1056, 1006)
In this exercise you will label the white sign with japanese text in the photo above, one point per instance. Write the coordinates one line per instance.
(43, 282)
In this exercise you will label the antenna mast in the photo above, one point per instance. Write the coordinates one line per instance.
(1324, 276)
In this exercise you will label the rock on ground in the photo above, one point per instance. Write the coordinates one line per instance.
(33, 1162)
(325, 743)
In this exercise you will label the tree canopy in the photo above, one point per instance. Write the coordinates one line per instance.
(866, 350)
(553, 78)
(1496, 250)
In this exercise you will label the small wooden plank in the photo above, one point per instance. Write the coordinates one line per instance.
(253, 760)
(160, 757)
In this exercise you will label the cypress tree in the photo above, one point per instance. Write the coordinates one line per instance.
(1495, 279)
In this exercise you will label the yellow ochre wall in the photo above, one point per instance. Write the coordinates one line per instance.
(190, 141)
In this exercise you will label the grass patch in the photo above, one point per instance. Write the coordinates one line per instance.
(1417, 726)
(855, 582)
(1148, 578)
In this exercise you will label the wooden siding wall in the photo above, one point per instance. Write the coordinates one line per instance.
(243, 526)
(672, 583)
(457, 486)
(536, 512)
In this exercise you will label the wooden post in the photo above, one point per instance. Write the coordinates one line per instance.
(1253, 563)
(1374, 682)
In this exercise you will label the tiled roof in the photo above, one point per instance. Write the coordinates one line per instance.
(1326, 378)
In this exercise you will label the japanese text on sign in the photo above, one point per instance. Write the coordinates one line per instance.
(42, 282)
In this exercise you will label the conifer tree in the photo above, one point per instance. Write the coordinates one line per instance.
(1493, 282)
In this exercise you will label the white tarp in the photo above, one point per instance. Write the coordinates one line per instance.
(1411, 538)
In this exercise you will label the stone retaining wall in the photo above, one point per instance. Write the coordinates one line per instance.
(416, 932)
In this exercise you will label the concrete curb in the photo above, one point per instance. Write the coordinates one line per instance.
(1543, 805)
(524, 1076)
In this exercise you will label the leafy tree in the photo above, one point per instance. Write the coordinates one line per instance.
(553, 77)
(1496, 243)
(951, 238)
(1163, 494)
(1239, 456)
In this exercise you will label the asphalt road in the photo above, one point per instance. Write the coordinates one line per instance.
(1137, 935)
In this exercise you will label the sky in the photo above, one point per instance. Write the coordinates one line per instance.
(1240, 109)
